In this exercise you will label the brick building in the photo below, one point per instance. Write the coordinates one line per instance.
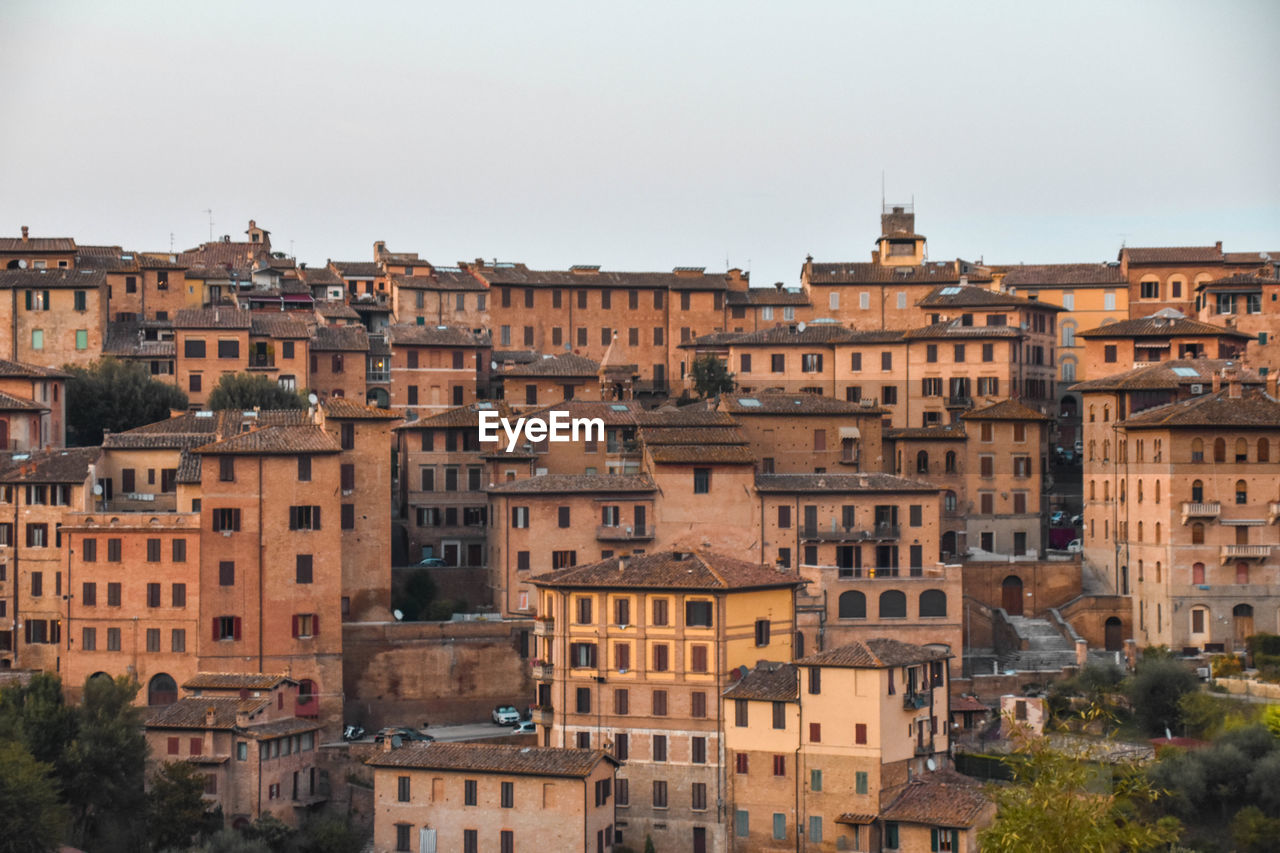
(1164, 336)
(338, 355)
(1247, 303)
(52, 317)
(805, 433)
(32, 406)
(435, 367)
(548, 380)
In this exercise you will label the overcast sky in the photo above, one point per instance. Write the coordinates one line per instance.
(644, 135)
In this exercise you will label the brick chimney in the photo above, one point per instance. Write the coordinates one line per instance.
(1233, 384)
(210, 716)
(1217, 382)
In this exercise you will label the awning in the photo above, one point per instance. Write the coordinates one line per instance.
(850, 432)
(856, 819)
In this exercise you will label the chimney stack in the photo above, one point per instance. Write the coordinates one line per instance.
(1233, 384)
(210, 715)
(1217, 382)
(24, 233)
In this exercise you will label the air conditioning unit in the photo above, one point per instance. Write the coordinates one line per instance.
(1197, 388)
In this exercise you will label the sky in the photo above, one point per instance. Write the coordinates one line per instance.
(644, 136)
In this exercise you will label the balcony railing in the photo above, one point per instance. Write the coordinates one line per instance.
(1201, 509)
(1245, 552)
(544, 626)
(959, 402)
(874, 572)
(261, 361)
(848, 534)
(543, 671)
(607, 533)
(377, 376)
(544, 715)
(914, 701)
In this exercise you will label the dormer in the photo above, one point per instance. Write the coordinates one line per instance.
(259, 236)
(899, 244)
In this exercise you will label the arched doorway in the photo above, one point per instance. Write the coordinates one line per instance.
(1114, 634)
(1011, 595)
(378, 397)
(162, 690)
(1242, 623)
(949, 545)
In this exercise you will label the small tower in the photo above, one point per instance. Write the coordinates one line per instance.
(259, 236)
(899, 244)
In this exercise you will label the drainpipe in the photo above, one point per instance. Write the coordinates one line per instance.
(799, 743)
(262, 547)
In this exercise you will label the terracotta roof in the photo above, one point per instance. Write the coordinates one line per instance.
(1063, 275)
(663, 570)
(357, 269)
(701, 454)
(766, 296)
(403, 334)
(342, 409)
(223, 253)
(946, 432)
(520, 275)
(1161, 327)
(875, 654)
(515, 356)
(940, 272)
(658, 436)
(1238, 281)
(37, 244)
(221, 273)
(50, 466)
(714, 339)
(1167, 375)
(494, 758)
(972, 296)
(1173, 255)
(1249, 257)
(270, 440)
(813, 333)
(566, 364)
(551, 484)
(1252, 409)
(191, 712)
(236, 681)
(20, 369)
(123, 340)
(941, 798)
(189, 467)
(954, 329)
(350, 338)
(332, 309)
(1005, 410)
(52, 278)
(213, 318)
(105, 261)
(966, 703)
(10, 403)
(319, 276)
(688, 416)
(279, 728)
(773, 403)
(839, 483)
(278, 324)
(461, 416)
(768, 682)
(441, 278)
(196, 429)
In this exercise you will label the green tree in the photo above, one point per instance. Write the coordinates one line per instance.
(36, 715)
(175, 805)
(1055, 803)
(1155, 689)
(245, 391)
(329, 834)
(230, 841)
(415, 596)
(114, 395)
(711, 376)
(1254, 832)
(31, 812)
(271, 831)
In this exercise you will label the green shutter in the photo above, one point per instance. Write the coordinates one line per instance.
(741, 823)
(955, 839)
(26, 294)
(933, 838)
(815, 780)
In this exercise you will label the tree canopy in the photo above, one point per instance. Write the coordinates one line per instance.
(711, 376)
(247, 391)
(31, 812)
(115, 395)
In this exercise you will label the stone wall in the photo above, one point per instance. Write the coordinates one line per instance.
(1045, 583)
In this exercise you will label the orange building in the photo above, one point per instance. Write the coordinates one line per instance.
(338, 355)
(550, 379)
(435, 367)
(473, 796)
(440, 296)
(632, 657)
(32, 406)
(1247, 303)
(805, 433)
(52, 317)
(209, 342)
(1154, 338)
(36, 253)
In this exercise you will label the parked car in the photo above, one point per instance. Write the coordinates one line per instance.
(1075, 546)
(506, 715)
(1077, 520)
(431, 563)
(525, 727)
(404, 732)
(1058, 519)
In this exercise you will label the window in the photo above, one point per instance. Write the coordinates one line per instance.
(701, 481)
(228, 349)
(659, 703)
(113, 595)
(1109, 353)
(660, 786)
(762, 632)
(660, 612)
(659, 747)
(741, 823)
(698, 658)
(178, 640)
(815, 733)
(402, 835)
(37, 536)
(562, 514)
(227, 573)
(508, 795)
(402, 789)
(583, 700)
(153, 595)
(860, 782)
(778, 363)
(697, 614)
(303, 568)
(305, 625)
(519, 517)
(661, 657)
(1149, 290)
(304, 518)
(698, 704)
(779, 765)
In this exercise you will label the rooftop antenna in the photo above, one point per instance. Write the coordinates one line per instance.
(1123, 239)
(171, 242)
(210, 212)
(882, 189)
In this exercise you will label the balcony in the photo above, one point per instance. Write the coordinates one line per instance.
(925, 749)
(377, 376)
(607, 533)
(258, 361)
(542, 671)
(1245, 552)
(848, 534)
(1200, 510)
(544, 626)
(959, 402)
(914, 701)
(544, 715)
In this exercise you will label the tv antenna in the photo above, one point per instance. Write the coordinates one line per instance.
(210, 212)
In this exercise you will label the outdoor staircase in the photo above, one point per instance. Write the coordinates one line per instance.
(1046, 649)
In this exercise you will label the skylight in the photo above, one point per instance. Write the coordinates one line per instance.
(1186, 371)
(618, 408)
(749, 402)
(950, 291)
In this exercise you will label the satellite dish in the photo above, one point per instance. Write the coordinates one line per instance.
(399, 616)
(493, 365)
(312, 399)
(396, 741)
(931, 764)
(800, 326)
(97, 488)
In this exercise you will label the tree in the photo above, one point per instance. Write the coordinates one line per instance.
(1157, 685)
(246, 391)
(175, 805)
(33, 816)
(1055, 803)
(115, 395)
(1254, 832)
(711, 376)
(415, 598)
(330, 834)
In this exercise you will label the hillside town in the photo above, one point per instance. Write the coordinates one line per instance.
(831, 545)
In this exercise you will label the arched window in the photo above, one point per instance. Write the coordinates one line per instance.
(1242, 450)
(1242, 492)
(1197, 534)
(1264, 450)
(1220, 450)
(1157, 571)
(1093, 450)
(1197, 450)
(1157, 491)
(1106, 490)
(308, 698)
(1068, 370)
(1124, 491)
(1197, 491)
(1093, 495)
(922, 462)
(1106, 414)
(1242, 572)
(893, 604)
(951, 461)
(1157, 533)
(1092, 415)
(1139, 491)
(1069, 333)
(853, 605)
(162, 689)
(949, 501)
(1106, 450)
(1197, 573)
(933, 602)
(1139, 531)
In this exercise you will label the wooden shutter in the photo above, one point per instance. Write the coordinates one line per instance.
(236, 632)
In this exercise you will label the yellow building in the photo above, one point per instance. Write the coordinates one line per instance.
(632, 655)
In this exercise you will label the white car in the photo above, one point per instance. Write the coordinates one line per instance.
(506, 715)
(1075, 546)
(525, 727)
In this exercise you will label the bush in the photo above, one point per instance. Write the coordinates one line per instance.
(1155, 689)
(1224, 666)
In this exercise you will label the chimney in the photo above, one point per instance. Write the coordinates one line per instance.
(1218, 245)
(210, 716)
(387, 745)
(24, 233)
(1233, 384)
(1217, 382)
(777, 286)
(623, 562)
